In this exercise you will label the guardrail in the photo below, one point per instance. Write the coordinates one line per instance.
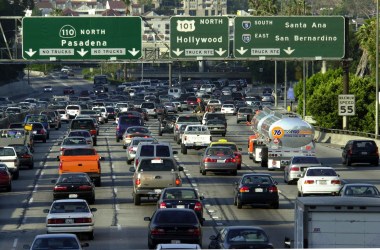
(346, 132)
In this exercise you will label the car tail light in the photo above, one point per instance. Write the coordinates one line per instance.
(156, 231)
(93, 131)
(162, 205)
(349, 152)
(273, 189)
(208, 159)
(244, 189)
(230, 160)
(85, 187)
(26, 156)
(335, 182)
(82, 220)
(62, 149)
(56, 221)
(130, 149)
(60, 188)
(117, 128)
(41, 131)
(309, 182)
(198, 206)
(177, 182)
(195, 231)
(137, 182)
(136, 161)
(294, 169)
(3, 174)
(60, 166)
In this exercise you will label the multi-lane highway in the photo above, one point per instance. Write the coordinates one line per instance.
(119, 223)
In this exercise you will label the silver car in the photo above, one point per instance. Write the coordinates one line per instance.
(297, 166)
(170, 107)
(132, 147)
(81, 133)
(74, 142)
(218, 159)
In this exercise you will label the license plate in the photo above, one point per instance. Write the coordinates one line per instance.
(158, 191)
(259, 190)
(364, 153)
(180, 206)
(175, 241)
(69, 221)
(73, 196)
(215, 128)
(322, 182)
(220, 161)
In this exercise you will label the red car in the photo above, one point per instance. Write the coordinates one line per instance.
(5, 178)
(68, 91)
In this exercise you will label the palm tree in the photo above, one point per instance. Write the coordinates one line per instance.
(367, 42)
(128, 4)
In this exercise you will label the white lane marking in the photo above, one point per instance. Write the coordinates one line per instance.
(215, 217)
(112, 166)
(31, 200)
(211, 211)
(15, 243)
(119, 227)
(207, 205)
(24, 220)
(185, 170)
(115, 190)
(35, 188)
(194, 184)
(187, 174)
(113, 177)
(219, 224)
(117, 207)
(42, 173)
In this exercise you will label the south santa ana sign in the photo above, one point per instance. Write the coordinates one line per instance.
(82, 38)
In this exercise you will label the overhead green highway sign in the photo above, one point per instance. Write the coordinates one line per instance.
(193, 37)
(81, 38)
(313, 37)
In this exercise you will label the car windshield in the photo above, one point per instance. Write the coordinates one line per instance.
(219, 151)
(246, 235)
(69, 207)
(36, 119)
(180, 194)
(80, 133)
(177, 217)
(137, 130)
(55, 243)
(156, 165)
(303, 160)
(321, 172)
(137, 141)
(256, 180)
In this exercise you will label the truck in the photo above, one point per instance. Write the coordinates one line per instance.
(180, 122)
(335, 222)
(279, 136)
(16, 137)
(195, 137)
(83, 160)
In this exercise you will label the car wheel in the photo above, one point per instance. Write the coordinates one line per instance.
(59, 125)
(178, 142)
(237, 121)
(151, 245)
(97, 132)
(264, 164)
(204, 172)
(239, 167)
(56, 127)
(9, 187)
(183, 149)
(275, 205)
(285, 178)
(159, 133)
(124, 147)
(235, 202)
(136, 199)
(239, 205)
(299, 194)
(44, 140)
(16, 175)
(31, 166)
(117, 139)
(91, 201)
(98, 182)
(224, 134)
(375, 163)
(95, 143)
(129, 162)
(106, 121)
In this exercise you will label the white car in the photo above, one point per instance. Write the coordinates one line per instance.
(70, 216)
(318, 180)
(103, 111)
(56, 241)
(228, 109)
(64, 116)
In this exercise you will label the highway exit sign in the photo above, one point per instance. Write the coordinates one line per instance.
(81, 38)
(296, 37)
(194, 37)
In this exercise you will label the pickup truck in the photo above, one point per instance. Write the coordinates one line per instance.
(184, 120)
(195, 137)
(83, 160)
(152, 175)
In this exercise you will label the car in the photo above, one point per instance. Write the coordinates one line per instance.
(184, 222)
(73, 110)
(297, 165)
(111, 112)
(70, 216)
(54, 118)
(74, 142)
(68, 91)
(63, 75)
(126, 121)
(244, 114)
(56, 241)
(88, 124)
(74, 186)
(135, 131)
(81, 133)
(48, 88)
(359, 190)
(170, 107)
(132, 147)
(360, 151)
(166, 124)
(5, 177)
(178, 246)
(64, 116)
(257, 188)
(182, 197)
(231, 145)
(218, 159)
(228, 109)
(39, 132)
(318, 180)
(216, 126)
(24, 155)
(151, 108)
(211, 115)
(242, 237)
(43, 119)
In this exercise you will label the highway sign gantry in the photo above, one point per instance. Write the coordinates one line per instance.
(194, 37)
(313, 37)
(82, 38)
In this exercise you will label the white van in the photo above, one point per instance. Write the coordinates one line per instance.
(73, 110)
(175, 92)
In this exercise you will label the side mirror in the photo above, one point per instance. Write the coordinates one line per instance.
(58, 158)
(213, 237)
(46, 211)
(341, 147)
(201, 197)
(180, 168)
(175, 152)
(94, 209)
(132, 169)
(147, 219)
(101, 158)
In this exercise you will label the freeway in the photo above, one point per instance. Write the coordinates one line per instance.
(119, 223)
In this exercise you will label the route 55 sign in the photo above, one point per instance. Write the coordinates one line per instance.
(346, 105)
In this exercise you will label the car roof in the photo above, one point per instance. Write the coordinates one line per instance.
(69, 200)
(256, 174)
(243, 227)
(56, 235)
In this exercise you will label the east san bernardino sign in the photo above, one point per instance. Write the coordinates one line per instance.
(108, 38)
(314, 37)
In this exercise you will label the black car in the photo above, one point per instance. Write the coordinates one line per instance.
(167, 124)
(173, 225)
(111, 113)
(360, 151)
(182, 197)
(240, 237)
(39, 132)
(74, 186)
(253, 189)
(24, 155)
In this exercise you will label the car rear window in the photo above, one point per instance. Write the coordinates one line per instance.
(37, 126)
(79, 151)
(162, 151)
(218, 116)
(130, 120)
(80, 133)
(82, 124)
(7, 152)
(147, 105)
(73, 107)
(69, 207)
(187, 119)
(156, 165)
(364, 145)
(177, 217)
(321, 172)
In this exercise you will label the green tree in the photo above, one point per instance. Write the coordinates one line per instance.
(366, 36)
(263, 7)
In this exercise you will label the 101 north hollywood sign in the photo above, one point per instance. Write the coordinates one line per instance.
(108, 38)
